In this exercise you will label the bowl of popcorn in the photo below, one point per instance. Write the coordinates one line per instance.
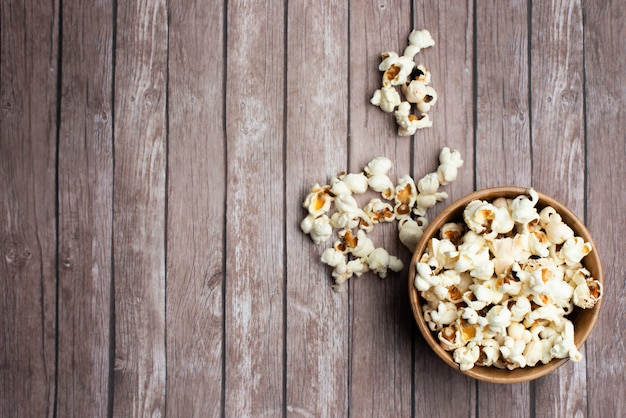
(506, 285)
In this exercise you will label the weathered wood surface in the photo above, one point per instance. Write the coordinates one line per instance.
(153, 161)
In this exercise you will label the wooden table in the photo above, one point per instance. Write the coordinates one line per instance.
(154, 157)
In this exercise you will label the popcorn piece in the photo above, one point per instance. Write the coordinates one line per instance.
(574, 249)
(387, 98)
(411, 231)
(321, 230)
(318, 201)
(421, 39)
(379, 211)
(557, 231)
(588, 291)
(449, 163)
(523, 210)
(333, 257)
(379, 261)
(422, 95)
(405, 196)
(396, 69)
(379, 165)
(428, 195)
(466, 356)
(409, 123)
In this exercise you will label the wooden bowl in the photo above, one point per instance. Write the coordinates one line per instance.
(583, 319)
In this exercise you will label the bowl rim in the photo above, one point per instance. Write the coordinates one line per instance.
(489, 373)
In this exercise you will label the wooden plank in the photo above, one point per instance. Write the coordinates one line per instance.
(255, 272)
(380, 319)
(606, 194)
(503, 145)
(195, 209)
(559, 153)
(85, 204)
(28, 95)
(139, 208)
(317, 347)
(450, 62)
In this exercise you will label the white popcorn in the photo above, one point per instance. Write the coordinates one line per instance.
(449, 163)
(409, 123)
(348, 184)
(396, 69)
(333, 257)
(318, 201)
(346, 203)
(478, 215)
(379, 165)
(387, 98)
(506, 251)
(382, 184)
(421, 39)
(498, 319)
(557, 231)
(513, 353)
(411, 231)
(520, 308)
(419, 93)
(445, 314)
(428, 194)
(523, 209)
(379, 261)
(405, 196)
(574, 249)
(587, 291)
(489, 352)
(321, 230)
(424, 279)
(466, 356)
(379, 211)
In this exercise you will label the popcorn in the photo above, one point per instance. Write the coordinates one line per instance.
(411, 231)
(409, 123)
(318, 200)
(321, 230)
(387, 98)
(414, 81)
(513, 274)
(428, 195)
(449, 163)
(396, 69)
(420, 39)
(335, 207)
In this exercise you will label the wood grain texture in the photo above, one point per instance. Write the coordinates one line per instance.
(316, 148)
(558, 153)
(606, 194)
(140, 136)
(450, 62)
(85, 210)
(255, 276)
(195, 210)
(503, 144)
(380, 318)
(28, 96)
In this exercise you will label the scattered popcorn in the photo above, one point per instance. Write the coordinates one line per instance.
(520, 275)
(334, 207)
(414, 81)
